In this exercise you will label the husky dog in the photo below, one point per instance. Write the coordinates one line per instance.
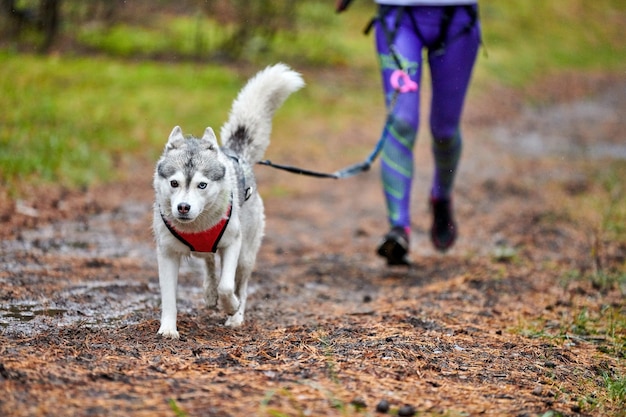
(206, 200)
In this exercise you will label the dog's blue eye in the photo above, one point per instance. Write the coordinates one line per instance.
(202, 185)
(174, 183)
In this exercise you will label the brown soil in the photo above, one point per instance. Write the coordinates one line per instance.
(493, 327)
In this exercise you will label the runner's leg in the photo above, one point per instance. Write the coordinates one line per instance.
(450, 73)
(401, 129)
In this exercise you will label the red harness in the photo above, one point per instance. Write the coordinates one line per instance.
(205, 241)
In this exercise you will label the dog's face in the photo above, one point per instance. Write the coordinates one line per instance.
(189, 176)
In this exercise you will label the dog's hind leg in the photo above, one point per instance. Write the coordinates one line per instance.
(210, 282)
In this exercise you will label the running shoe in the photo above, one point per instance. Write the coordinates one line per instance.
(443, 231)
(395, 247)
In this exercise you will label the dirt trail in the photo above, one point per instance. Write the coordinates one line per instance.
(483, 329)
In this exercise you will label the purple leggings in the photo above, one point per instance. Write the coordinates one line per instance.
(451, 57)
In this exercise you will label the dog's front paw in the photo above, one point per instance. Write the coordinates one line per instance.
(236, 320)
(168, 332)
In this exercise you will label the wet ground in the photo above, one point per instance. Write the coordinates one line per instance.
(492, 327)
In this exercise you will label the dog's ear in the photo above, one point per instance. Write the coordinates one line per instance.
(176, 137)
(209, 135)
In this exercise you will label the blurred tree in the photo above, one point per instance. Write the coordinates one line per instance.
(43, 18)
(256, 23)
(49, 22)
(251, 25)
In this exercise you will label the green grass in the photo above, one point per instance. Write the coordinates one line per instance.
(613, 206)
(614, 395)
(72, 120)
(616, 387)
(527, 39)
(603, 213)
(606, 328)
(178, 412)
(184, 36)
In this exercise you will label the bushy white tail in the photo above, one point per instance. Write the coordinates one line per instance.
(247, 131)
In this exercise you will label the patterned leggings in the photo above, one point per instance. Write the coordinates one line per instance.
(452, 48)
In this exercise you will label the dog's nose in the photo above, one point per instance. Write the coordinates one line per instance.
(183, 208)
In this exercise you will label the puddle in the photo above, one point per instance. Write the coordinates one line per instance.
(98, 304)
(24, 313)
(74, 272)
(91, 238)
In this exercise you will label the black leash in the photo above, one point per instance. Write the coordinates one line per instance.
(296, 170)
(350, 170)
(346, 172)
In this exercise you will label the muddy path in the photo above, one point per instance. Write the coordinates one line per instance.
(488, 328)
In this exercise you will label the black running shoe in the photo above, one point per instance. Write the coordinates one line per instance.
(395, 247)
(444, 230)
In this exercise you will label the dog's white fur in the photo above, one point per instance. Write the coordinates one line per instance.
(203, 177)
